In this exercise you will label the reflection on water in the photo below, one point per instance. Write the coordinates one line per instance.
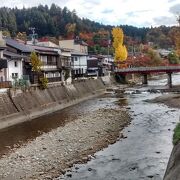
(122, 102)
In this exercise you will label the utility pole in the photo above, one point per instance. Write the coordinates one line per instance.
(33, 34)
(178, 19)
(109, 42)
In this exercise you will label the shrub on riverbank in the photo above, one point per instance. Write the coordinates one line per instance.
(176, 136)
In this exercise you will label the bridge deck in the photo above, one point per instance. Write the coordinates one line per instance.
(149, 70)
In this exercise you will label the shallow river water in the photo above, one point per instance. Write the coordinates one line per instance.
(145, 151)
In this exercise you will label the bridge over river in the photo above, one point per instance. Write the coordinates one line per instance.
(144, 71)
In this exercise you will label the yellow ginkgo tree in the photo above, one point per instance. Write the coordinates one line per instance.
(120, 48)
(35, 62)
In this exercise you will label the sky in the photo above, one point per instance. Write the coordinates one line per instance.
(140, 13)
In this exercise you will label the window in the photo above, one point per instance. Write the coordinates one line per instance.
(51, 60)
(15, 64)
(43, 60)
(57, 74)
(14, 75)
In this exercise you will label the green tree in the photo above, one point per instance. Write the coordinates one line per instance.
(156, 60)
(173, 58)
(53, 20)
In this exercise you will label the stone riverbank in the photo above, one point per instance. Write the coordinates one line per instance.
(17, 106)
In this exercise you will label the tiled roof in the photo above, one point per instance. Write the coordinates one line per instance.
(13, 55)
(42, 48)
(22, 47)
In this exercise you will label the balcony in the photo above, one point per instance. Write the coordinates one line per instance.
(48, 67)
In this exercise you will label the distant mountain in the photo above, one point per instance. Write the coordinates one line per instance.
(55, 21)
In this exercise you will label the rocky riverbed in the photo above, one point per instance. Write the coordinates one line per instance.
(52, 153)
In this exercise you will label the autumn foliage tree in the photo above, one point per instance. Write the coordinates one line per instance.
(36, 67)
(177, 42)
(35, 62)
(120, 49)
(70, 28)
(175, 36)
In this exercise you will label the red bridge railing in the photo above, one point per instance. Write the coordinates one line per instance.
(148, 70)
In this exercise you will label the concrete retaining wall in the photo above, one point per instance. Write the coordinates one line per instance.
(17, 106)
(173, 168)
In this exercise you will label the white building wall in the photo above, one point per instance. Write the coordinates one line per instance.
(80, 62)
(81, 48)
(69, 44)
(68, 54)
(14, 69)
(47, 44)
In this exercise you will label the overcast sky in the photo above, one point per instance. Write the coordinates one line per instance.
(115, 12)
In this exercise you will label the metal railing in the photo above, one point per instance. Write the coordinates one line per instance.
(47, 67)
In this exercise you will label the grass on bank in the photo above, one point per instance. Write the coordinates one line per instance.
(176, 136)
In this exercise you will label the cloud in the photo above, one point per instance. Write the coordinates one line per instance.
(137, 13)
(175, 9)
(171, 1)
(164, 20)
(112, 12)
(107, 11)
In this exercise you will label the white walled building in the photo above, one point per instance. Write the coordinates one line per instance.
(79, 53)
(14, 64)
(78, 64)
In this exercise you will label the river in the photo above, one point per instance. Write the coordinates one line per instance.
(145, 150)
(143, 153)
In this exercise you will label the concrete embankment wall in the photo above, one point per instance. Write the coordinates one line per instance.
(17, 106)
(173, 168)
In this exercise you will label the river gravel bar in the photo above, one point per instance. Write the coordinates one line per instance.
(171, 100)
(52, 153)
